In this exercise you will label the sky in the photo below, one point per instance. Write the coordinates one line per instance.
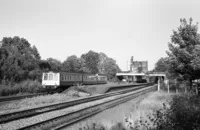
(118, 28)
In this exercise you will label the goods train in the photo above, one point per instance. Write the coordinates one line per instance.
(64, 79)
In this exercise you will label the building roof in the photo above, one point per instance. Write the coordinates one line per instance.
(130, 74)
(156, 75)
(139, 74)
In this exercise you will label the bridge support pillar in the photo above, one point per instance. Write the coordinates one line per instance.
(158, 84)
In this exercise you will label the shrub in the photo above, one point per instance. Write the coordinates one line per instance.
(27, 86)
(93, 126)
(183, 114)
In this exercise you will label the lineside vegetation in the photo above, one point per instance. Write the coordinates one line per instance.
(182, 67)
(19, 61)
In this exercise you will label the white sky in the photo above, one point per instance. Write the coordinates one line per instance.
(119, 28)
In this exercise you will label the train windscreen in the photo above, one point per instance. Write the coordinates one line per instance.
(45, 76)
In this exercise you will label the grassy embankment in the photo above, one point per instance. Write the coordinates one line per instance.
(159, 111)
(126, 116)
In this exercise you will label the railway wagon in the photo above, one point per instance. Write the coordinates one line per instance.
(64, 79)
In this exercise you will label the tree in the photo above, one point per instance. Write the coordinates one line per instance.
(44, 65)
(107, 66)
(35, 53)
(102, 60)
(55, 65)
(162, 65)
(91, 60)
(18, 58)
(183, 50)
(73, 64)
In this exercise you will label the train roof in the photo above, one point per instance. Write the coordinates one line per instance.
(76, 73)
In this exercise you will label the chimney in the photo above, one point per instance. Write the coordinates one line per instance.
(131, 59)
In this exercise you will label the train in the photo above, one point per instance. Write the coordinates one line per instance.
(66, 79)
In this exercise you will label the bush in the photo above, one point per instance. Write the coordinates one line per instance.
(93, 126)
(27, 86)
(183, 114)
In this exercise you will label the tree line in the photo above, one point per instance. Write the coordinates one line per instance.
(183, 57)
(20, 61)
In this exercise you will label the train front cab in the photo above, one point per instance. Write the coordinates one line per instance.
(50, 80)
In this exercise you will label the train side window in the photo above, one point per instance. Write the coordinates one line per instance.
(50, 76)
(62, 77)
(67, 77)
(72, 77)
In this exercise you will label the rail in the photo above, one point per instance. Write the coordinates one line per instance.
(40, 110)
(74, 117)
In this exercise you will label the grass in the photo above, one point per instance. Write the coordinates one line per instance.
(158, 111)
(124, 116)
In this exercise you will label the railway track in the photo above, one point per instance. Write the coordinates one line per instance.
(40, 110)
(73, 117)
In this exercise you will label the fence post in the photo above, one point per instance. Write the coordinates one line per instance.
(168, 86)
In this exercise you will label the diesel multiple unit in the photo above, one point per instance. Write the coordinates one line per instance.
(62, 79)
